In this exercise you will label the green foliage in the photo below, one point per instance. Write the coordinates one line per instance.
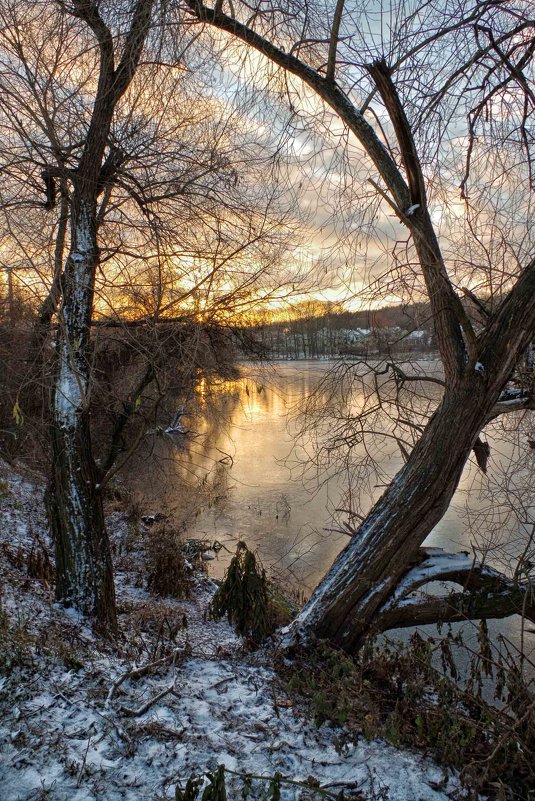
(334, 686)
(215, 789)
(283, 608)
(247, 599)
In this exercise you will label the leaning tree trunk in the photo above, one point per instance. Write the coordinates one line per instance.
(369, 569)
(355, 593)
(83, 561)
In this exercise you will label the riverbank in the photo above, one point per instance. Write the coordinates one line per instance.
(83, 718)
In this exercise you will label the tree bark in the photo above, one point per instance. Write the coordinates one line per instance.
(84, 574)
(367, 572)
(486, 593)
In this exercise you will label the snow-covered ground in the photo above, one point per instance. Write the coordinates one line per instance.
(77, 723)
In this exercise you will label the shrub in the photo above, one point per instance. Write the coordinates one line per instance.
(246, 598)
(168, 575)
(397, 693)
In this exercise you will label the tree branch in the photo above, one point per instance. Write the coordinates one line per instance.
(510, 330)
(333, 44)
(512, 400)
(121, 421)
(133, 47)
(480, 306)
(448, 310)
(487, 593)
(326, 89)
(381, 75)
(112, 83)
(87, 10)
(459, 607)
(49, 305)
(450, 317)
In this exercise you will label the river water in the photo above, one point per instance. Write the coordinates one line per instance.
(245, 451)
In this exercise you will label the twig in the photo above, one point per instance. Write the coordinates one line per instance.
(158, 730)
(136, 673)
(135, 713)
(319, 789)
(83, 764)
(223, 681)
(119, 729)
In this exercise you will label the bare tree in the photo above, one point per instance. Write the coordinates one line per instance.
(84, 569)
(137, 200)
(433, 97)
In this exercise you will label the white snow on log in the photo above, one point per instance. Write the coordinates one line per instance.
(339, 572)
(512, 399)
(511, 402)
(513, 394)
(84, 241)
(410, 211)
(436, 566)
(479, 368)
(71, 385)
(177, 426)
(360, 546)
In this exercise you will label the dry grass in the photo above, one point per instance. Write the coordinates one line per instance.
(166, 566)
(397, 693)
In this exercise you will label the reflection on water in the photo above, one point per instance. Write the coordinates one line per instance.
(247, 442)
(243, 450)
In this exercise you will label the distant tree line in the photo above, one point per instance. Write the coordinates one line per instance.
(312, 330)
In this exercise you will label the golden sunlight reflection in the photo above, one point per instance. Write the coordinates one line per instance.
(240, 477)
(248, 457)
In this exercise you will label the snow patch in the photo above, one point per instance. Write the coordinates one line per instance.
(223, 712)
(84, 240)
(60, 739)
(68, 395)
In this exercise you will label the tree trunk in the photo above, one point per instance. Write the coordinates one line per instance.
(84, 575)
(83, 559)
(368, 570)
(346, 604)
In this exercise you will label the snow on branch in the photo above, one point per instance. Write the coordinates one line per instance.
(486, 593)
(512, 399)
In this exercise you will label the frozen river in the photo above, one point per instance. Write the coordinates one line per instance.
(246, 454)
